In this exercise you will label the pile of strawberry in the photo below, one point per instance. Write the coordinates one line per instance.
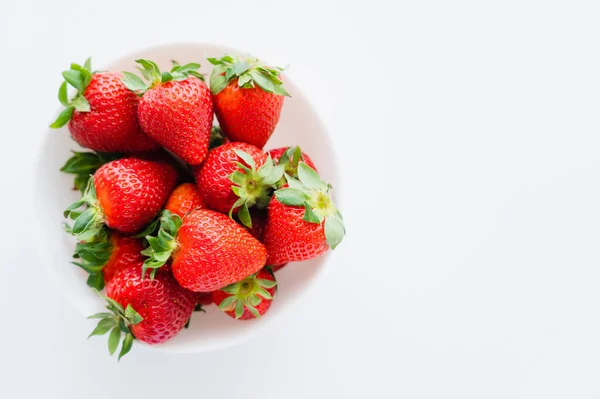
(177, 213)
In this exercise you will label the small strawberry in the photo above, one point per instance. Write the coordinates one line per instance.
(303, 222)
(184, 199)
(248, 97)
(289, 157)
(125, 194)
(151, 311)
(249, 298)
(103, 114)
(237, 176)
(208, 250)
(176, 108)
(107, 255)
(84, 164)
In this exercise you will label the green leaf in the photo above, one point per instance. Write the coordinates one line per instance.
(264, 293)
(244, 216)
(127, 344)
(275, 175)
(291, 196)
(239, 309)
(86, 73)
(244, 79)
(262, 81)
(132, 315)
(309, 215)
(88, 64)
(75, 79)
(227, 302)
(334, 231)
(240, 67)
(280, 90)
(253, 310)
(84, 221)
(113, 339)
(63, 118)
(266, 283)
(238, 178)
(103, 327)
(246, 158)
(166, 77)
(149, 229)
(214, 61)
(294, 183)
(102, 315)
(63, 95)
(82, 163)
(133, 82)
(309, 177)
(217, 80)
(152, 69)
(96, 280)
(81, 104)
(191, 66)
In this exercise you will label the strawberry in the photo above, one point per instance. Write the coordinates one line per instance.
(303, 221)
(125, 194)
(151, 311)
(84, 164)
(102, 115)
(237, 176)
(248, 97)
(208, 250)
(249, 298)
(184, 198)
(204, 298)
(259, 221)
(289, 157)
(107, 255)
(176, 108)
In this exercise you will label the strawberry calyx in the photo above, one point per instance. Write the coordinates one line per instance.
(84, 164)
(248, 71)
(89, 224)
(118, 321)
(153, 76)
(162, 246)
(92, 257)
(252, 186)
(79, 77)
(312, 193)
(246, 294)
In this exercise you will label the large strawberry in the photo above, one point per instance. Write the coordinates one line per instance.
(248, 97)
(102, 115)
(151, 311)
(106, 255)
(208, 250)
(176, 108)
(125, 194)
(237, 176)
(184, 199)
(249, 298)
(303, 221)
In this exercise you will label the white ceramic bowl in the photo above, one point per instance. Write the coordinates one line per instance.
(299, 124)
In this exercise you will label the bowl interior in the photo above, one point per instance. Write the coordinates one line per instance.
(299, 124)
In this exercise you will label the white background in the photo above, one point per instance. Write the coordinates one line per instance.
(468, 137)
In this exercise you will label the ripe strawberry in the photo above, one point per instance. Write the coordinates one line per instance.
(245, 112)
(249, 298)
(151, 311)
(176, 108)
(230, 181)
(84, 164)
(103, 114)
(208, 250)
(302, 222)
(107, 255)
(289, 157)
(184, 199)
(125, 194)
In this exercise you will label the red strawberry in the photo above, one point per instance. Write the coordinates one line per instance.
(125, 194)
(105, 256)
(237, 176)
(176, 108)
(203, 298)
(302, 222)
(151, 311)
(246, 112)
(259, 221)
(184, 199)
(289, 157)
(103, 114)
(249, 298)
(208, 250)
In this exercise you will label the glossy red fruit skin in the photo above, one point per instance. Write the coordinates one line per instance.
(278, 152)
(179, 116)
(132, 191)
(218, 297)
(247, 115)
(203, 298)
(164, 305)
(214, 251)
(213, 176)
(111, 125)
(125, 252)
(184, 199)
(288, 237)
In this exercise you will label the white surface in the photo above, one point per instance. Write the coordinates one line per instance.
(470, 140)
(298, 125)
